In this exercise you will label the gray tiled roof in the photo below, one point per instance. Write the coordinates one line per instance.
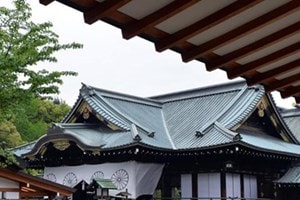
(292, 119)
(144, 115)
(292, 176)
(23, 149)
(194, 119)
(91, 137)
(186, 116)
(269, 143)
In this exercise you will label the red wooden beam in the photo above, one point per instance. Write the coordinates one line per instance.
(102, 9)
(204, 24)
(244, 69)
(291, 91)
(157, 17)
(35, 181)
(46, 2)
(253, 47)
(283, 83)
(297, 98)
(241, 31)
(263, 77)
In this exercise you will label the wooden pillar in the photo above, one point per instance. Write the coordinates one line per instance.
(166, 190)
(242, 185)
(223, 184)
(195, 185)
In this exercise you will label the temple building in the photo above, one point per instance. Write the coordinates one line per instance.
(226, 141)
(15, 184)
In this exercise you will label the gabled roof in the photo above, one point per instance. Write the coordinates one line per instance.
(105, 183)
(292, 119)
(257, 40)
(194, 119)
(35, 186)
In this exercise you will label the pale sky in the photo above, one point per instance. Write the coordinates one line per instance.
(110, 62)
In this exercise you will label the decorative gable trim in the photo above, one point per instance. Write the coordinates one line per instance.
(228, 133)
(280, 122)
(236, 110)
(221, 114)
(111, 114)
(135, 134)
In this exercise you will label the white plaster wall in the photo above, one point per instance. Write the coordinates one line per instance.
(137, 178)
(5, 183)
(12, 195)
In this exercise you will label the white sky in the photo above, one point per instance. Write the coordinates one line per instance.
(110, 62)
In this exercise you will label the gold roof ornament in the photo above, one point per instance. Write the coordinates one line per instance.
(261, 109)
(61, 144)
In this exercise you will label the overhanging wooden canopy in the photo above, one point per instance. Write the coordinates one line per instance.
(31, 186)
(258, 40)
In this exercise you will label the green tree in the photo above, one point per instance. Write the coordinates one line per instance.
(23, 45)
(33, 120)
(9, 136)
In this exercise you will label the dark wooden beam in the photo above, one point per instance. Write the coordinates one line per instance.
(35, 181)
(241, 31)
(256, 64)
(157, 17)
(297, 98)
(253, 47)
(264, 77)
(291, 91)
(2, 189)
(102, 9)
(204, 24)
(46, 2)
(283, 83)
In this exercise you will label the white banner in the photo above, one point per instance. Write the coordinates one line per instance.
(186, 185)
(137, 178)
(233, 185)
(250, 186)
(209, 185)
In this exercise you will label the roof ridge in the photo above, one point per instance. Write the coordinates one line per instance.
(72, 110)
(248, 105)
(107, 113)
(281, 119)
(71, 125)
(226, 132)
(218, 88)
(126, 97)
(226, 108)
(167, 130)
(291, 112)
(111, 109)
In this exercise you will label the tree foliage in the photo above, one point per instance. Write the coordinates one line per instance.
(33, 120)
(9, 136)
(23, 45)
(7, 158)
(30, 121)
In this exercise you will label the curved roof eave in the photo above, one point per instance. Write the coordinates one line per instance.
(58, 137)
(269, 144)
(280, 119)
